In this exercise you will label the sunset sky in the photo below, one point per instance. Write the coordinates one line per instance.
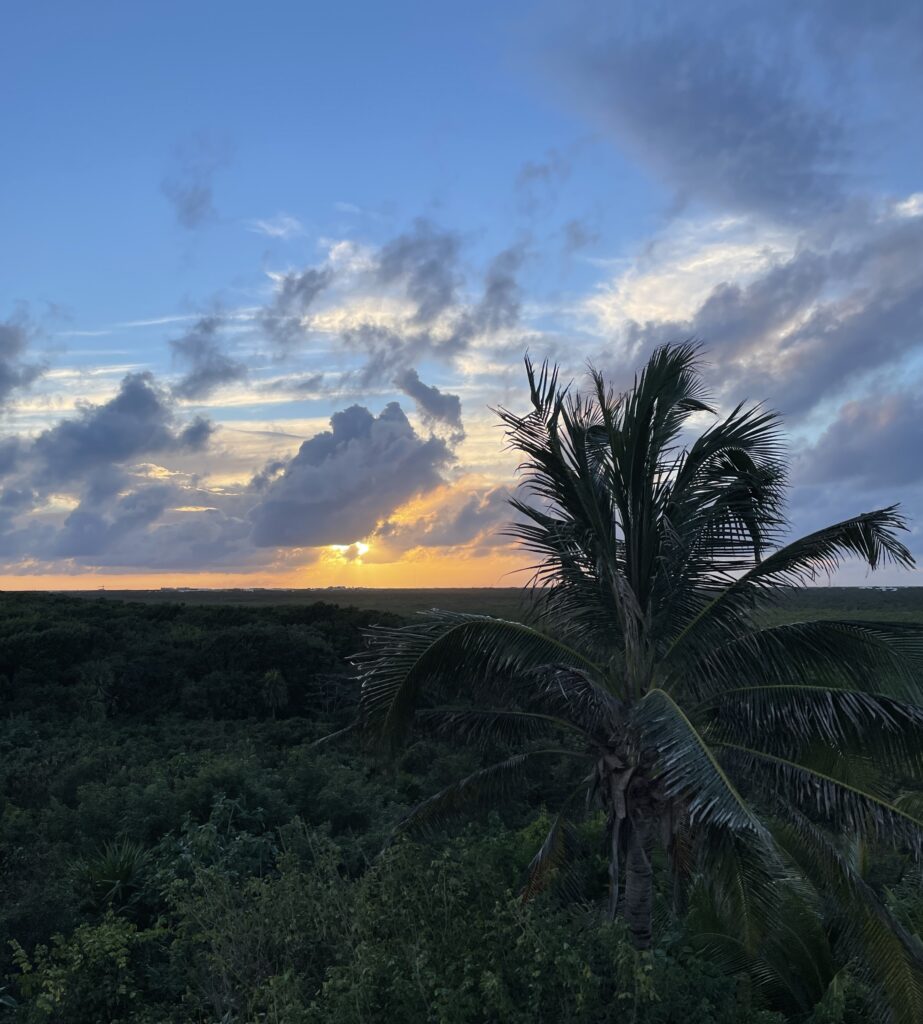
(265, 269)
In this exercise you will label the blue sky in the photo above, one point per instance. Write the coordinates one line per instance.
(225, 223)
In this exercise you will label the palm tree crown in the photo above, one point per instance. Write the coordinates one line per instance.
(744, 757)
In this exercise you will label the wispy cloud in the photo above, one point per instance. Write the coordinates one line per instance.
(281, 226)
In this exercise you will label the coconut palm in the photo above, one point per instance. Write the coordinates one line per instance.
(740, 753)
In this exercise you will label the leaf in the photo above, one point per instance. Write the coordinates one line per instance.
(890, 959)
(486, 785)
(878, 657)
(551, 859)
(686, 768)
(483, 725)
(398, 661)
(788, 718)
(839, 802)
(871, 537)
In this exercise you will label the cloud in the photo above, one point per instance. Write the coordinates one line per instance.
(138, 421)
(538, 181)
(476, 517)
(716, 122)
(295, 293)
(435, 405)
(90, 531)
(280, 226)
(578, 235)
(442, 321)
(10, 450)
(344, 481)
(298, 386)
(209, 367)
(188, 187)
(16, 333)
(872, 442)
(146, 530)
(555, 167)
(81, 493)
(500, 304)
(425, 259)
(808, 324)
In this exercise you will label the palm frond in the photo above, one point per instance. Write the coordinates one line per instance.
(871, 537)
(789, 717)
(835, 800)
(479, 726)
(889, 958)
(880, 657)
(741, 873)
(725, 495)
(571, 693)
(787, 956)
(485, 786)
(397, 661)
(686, 768)
(551, 860)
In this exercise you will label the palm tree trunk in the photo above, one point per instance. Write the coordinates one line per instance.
(615, 841)
(639, 882)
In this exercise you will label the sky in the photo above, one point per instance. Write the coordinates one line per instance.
(267, 270)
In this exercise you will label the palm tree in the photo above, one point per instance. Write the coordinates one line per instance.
(745, 756)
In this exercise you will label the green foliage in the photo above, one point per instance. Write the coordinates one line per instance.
(723, 751)
(114, 878)
(174, 848)
(98, 973)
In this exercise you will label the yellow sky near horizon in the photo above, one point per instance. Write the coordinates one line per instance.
(421, 569)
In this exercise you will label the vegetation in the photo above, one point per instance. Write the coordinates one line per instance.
(170, 852)
(760, 759)
(177, 844)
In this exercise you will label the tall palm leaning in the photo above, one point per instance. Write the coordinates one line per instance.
(731, 751)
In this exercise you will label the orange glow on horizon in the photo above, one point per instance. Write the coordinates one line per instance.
(420, 568)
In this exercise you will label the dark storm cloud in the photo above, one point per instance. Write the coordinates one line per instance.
(188, 187)
(210, 539)
(208, 365)
(15, 372)
(138, 421)
(295, 295)
(344, 481)
(425, 259)
(150, 528)
(435, 405)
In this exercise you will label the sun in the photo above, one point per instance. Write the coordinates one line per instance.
(349, 552)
